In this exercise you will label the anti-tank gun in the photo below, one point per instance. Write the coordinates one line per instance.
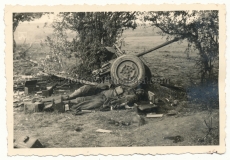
(127, 70)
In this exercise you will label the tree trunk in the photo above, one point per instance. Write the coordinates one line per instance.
(14, 44)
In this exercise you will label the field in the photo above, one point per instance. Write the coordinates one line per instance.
(64, 130)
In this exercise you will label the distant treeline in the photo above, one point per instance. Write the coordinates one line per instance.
(39, 31)
(141, 31)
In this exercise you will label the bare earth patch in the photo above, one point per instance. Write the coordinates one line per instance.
(57, 130)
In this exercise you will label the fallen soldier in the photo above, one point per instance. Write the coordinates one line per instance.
(101, 97)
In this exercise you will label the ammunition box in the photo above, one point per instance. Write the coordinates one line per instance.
(27, 142)
(59, 107)
(33, 107)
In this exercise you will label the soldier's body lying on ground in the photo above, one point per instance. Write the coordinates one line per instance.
(101, 97)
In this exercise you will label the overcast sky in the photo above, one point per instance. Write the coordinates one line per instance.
(43, 19)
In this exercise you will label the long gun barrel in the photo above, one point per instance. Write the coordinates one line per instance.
(157, 47)
(105, 69)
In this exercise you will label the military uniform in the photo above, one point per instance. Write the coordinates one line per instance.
(99, 97)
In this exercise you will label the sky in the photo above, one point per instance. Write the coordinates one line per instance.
(45, 18)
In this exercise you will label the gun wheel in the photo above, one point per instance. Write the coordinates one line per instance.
(128, 70)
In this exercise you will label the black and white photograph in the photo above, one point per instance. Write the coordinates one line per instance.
(132, 78)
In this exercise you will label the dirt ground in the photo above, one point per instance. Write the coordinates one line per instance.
(57, 130)
(187, 127)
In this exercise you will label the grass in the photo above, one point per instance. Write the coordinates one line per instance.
(58, 130)
(169, 62)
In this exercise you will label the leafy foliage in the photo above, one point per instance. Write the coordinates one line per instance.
(59, 47)
(201, 30)
(21, 17)
(95, 31)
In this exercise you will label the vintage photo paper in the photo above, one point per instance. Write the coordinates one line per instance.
(115, 79)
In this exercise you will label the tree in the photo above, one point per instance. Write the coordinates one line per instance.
(201, 30)
(60, 47)
(21, 17)
(95, 31)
